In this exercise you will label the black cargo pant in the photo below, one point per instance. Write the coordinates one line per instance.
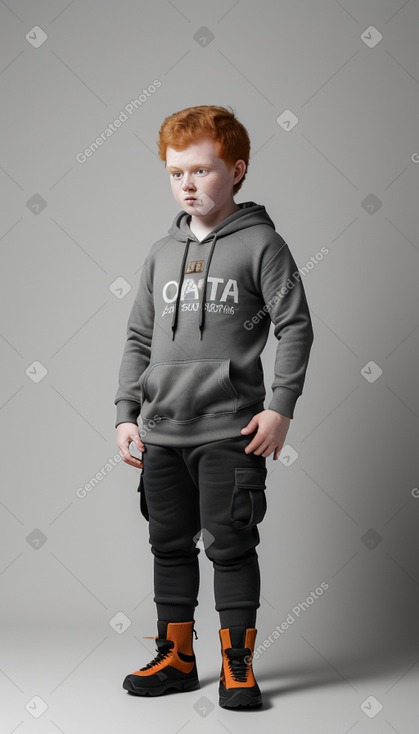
(214, 494)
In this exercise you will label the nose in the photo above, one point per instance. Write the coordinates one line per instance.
(187, 183)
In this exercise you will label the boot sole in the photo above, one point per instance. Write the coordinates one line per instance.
(236, 699)
(177, 685)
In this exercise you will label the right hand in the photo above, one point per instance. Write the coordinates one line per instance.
(125, 433)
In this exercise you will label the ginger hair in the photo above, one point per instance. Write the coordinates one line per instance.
(187, 126)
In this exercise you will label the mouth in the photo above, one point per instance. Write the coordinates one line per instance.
(189, 198)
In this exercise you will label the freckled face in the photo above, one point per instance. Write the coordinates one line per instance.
(202, 184)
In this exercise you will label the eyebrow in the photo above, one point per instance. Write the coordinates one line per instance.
(194, 165)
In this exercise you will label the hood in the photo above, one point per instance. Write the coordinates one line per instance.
(249, 215)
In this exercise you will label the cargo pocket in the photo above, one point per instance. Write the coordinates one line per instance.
(143, 502)
(248, 503)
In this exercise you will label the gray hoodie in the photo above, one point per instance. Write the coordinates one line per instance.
(200, 320)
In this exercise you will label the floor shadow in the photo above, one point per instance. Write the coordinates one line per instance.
(337, 671)
(209, 680)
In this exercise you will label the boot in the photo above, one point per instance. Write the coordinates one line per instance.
(238, 686)
(174, 666)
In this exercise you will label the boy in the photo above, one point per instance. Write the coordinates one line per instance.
(191, 364)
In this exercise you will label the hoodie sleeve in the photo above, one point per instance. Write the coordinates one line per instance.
(286, 303)
(136, 355)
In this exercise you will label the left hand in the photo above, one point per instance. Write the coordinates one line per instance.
(272, 428)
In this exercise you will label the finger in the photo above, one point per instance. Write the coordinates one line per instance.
(248, 429)
(265, 450)
(133, 461)
(269, 450)
(138, 442)
(266, 447)
(128, 458)
(257, 445)
(123, 452)
(135, 441)
(137, 463)
(254, 443)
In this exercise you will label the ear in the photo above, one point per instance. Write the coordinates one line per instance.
(239, 170)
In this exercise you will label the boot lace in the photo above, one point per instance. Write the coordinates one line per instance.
(238, 662)
(163, 648)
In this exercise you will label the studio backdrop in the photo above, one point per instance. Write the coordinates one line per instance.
(329, 94)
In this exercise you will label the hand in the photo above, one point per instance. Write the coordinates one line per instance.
(272, 427)
(127, 432)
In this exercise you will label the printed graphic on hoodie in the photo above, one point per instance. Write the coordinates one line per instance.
(221, 295)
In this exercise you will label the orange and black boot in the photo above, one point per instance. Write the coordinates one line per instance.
(238, 686)
(174, 666)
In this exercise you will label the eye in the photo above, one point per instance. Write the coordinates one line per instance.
(204, 170)
(175, 174)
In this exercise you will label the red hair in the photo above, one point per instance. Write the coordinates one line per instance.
(187, 126)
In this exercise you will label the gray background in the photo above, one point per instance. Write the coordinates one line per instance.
(345, 512)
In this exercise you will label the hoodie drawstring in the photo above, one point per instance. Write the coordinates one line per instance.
(182, 268)
(204, 289)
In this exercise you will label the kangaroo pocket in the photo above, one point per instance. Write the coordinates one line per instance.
(187, 390)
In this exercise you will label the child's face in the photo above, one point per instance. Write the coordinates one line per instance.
(197, 172)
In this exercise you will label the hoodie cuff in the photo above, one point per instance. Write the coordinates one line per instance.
(127, 411)
(283, 401)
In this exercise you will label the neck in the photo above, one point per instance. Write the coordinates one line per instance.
(208, 222)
